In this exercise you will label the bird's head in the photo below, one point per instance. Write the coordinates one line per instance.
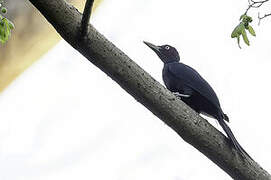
(166, 53)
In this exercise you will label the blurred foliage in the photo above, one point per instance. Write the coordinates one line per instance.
(5, 25)
(241, 29)
(5, 29)
(33, 37)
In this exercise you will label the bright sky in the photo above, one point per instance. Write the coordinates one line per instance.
(65, 119)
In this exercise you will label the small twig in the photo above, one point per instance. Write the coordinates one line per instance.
(255, 4)
(86, 17)
(260, 18)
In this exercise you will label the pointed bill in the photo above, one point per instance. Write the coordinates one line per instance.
(152, 46)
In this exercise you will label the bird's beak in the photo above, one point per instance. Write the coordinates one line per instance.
(153, 47)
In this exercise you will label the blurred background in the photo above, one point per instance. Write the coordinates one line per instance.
(31, 29)
(62, 118)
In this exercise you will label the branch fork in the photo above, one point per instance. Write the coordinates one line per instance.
(86, 17)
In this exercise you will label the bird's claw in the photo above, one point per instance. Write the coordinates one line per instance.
(181, 95)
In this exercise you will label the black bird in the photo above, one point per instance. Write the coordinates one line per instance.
(187, 84)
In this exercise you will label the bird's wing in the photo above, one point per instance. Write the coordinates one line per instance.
(192, 79)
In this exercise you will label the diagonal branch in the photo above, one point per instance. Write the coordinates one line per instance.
(86, 16)
(145, 89)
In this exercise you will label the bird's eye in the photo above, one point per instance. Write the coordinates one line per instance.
(167, 47)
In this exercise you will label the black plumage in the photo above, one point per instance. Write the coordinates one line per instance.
(187, 84)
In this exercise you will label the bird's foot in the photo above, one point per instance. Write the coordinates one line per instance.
(181, 95)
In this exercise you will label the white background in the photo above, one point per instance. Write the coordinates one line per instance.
(65, 119)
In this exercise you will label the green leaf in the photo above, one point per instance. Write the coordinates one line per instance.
(246, 19)
(11, 25)
(251, 30)
(238, 30)
(244, 35)
(2, 33)
(238, 41)
(242, 17)
(5, 29)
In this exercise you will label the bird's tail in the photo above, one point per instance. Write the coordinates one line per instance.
(225, 117)
(230, 135)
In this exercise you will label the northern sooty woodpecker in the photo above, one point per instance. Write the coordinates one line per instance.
(187, 84)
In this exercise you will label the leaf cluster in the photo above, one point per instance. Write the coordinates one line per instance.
(5, 29)
(5, 26)
(241, 29)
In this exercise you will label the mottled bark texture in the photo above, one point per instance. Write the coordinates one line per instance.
(188, 124)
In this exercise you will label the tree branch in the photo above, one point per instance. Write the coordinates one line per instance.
(255, 4)
(262, 17)
(86, 16)
(183, 120)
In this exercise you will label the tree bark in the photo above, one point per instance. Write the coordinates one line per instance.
(145, 89)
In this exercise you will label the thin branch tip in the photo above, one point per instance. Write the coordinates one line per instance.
(262, 17)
